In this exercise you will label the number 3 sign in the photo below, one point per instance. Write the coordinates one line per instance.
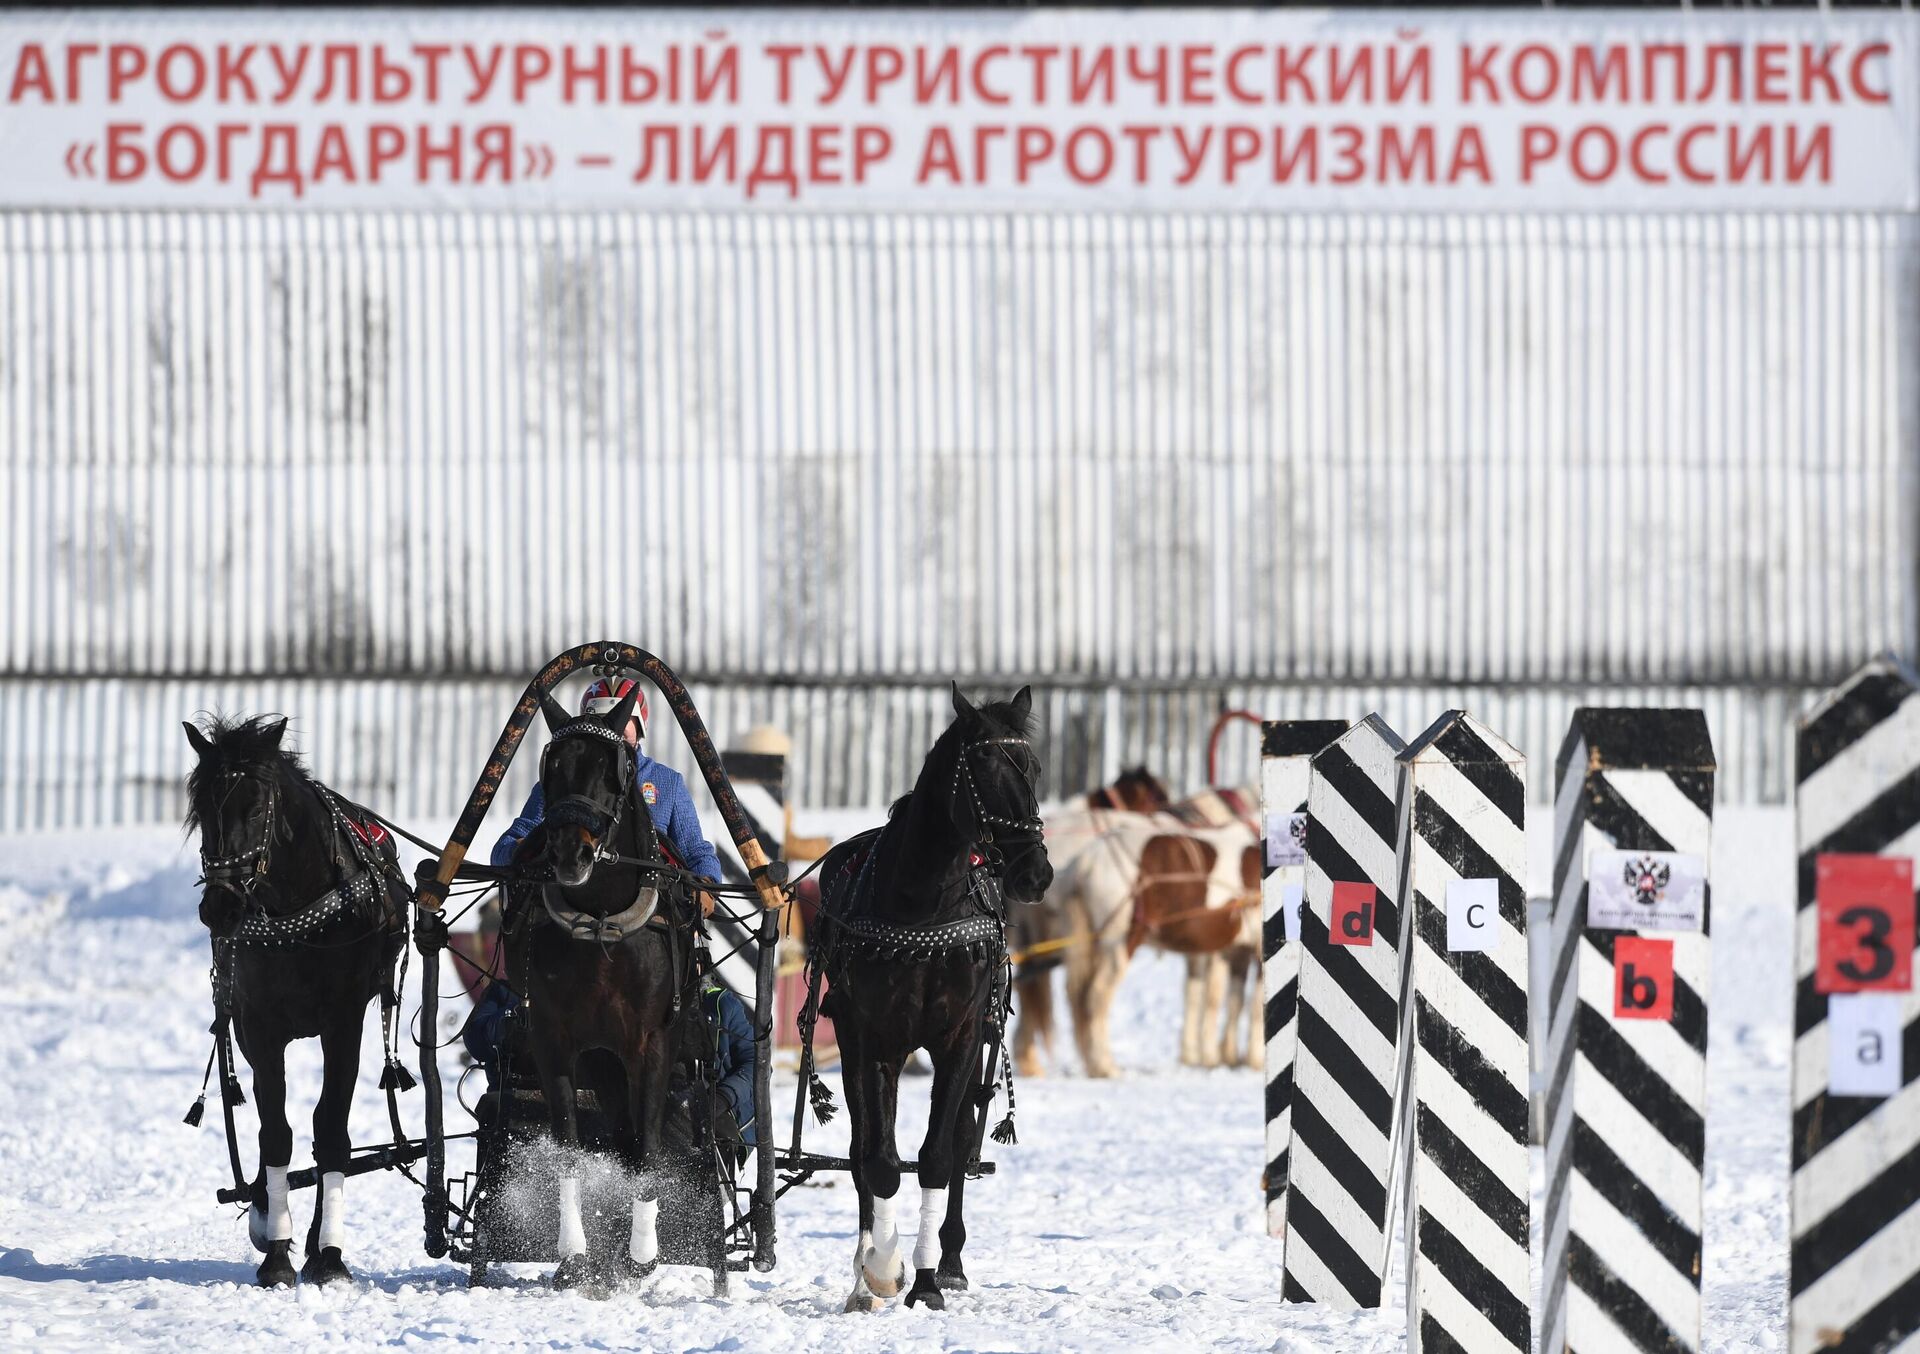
(1866, 923)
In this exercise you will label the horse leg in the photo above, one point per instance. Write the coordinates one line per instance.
(647, 1083)
(1035, 1028)
(862, 1298)
(882, 1265)
(1109, 966)
(1192, 1011)
(574, 1269)
(1213, 991)
(270, 1221)
(340, 1057)
(1081, 963)
(942, 1234)
(1242, 1001)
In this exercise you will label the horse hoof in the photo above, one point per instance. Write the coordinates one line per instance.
(861, 1302)
(325, 1267)
(576, 1271)
(951, 1276)
(926, 1289)
(276, 1271)
(884, 1286)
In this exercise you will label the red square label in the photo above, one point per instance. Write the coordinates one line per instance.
(1353, 914)
(1866, 923)
(1642, 978)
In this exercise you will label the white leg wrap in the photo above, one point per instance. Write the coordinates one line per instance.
(882, 1256)
(279, 1216)
(644, 1246)
(573, 1237)
(933, 1212)
(886, 1235)
(333, 1210)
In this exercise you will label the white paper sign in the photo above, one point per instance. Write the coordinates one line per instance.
(1286, 839)
(1646, 891)
(1292, 898)
(1863, 1044)
(1473, 914)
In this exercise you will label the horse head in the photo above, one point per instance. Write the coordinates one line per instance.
(236, 800)
(995, 796)
(586, 774)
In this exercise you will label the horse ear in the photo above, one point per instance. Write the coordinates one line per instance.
(617, 721)
(275, 732)
(201, 744)
(1023, 702)
(961, 706)
(555, 712)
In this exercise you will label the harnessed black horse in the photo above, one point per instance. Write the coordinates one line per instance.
(307, 910)
(604, 961)
(911, 940)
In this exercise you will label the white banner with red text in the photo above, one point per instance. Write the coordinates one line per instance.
(1157, 111)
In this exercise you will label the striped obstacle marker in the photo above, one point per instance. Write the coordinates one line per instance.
(1286, 749)
(1463, 1040)
(1855, 1275)
(1340, 1169)
(1627, 1048)
(760, 784)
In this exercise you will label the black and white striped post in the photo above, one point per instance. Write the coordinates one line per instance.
(1855, 1273)
(1627, 1051)
(1341, 1165)
(760, 784)
(1286, 752)
(1463, 1041)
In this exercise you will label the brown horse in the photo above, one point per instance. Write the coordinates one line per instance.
(1039, 934)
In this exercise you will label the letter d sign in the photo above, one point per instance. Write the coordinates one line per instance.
(1352, 914)
(1642, 978)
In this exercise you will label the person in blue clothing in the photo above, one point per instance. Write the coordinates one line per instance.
(668, 800)
(733, 1050)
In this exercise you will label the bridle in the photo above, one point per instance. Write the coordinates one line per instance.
(589, 811)
(992, 829)
(243, 872)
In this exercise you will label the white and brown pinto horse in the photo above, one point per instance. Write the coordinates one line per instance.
(1183, 881)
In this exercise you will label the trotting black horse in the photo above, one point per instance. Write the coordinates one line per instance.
(307, 911)
(911, 938)
(603, 953)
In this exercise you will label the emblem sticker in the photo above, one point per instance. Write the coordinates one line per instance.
(648, 793)
(1646, 891)
(1286, 839)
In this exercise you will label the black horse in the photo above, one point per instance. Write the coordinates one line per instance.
(307, 911)
(912, 941)
(604, 956)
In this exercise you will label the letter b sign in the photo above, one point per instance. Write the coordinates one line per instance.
(1642, 978)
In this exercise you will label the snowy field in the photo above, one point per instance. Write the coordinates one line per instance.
(1127, 1217)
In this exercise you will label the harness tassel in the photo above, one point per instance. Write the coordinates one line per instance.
(234, 1095)
(198, 1109)
(394, 1076)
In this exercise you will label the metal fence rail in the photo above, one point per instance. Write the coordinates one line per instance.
(1118, 455)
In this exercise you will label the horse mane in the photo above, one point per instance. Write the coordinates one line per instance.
(239, 743)
(1001, 720)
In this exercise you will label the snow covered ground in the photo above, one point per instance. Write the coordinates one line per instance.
(1127, 1217)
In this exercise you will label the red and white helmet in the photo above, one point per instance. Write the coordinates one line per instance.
(602, 697)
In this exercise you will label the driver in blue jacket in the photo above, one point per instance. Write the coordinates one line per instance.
(668, 801)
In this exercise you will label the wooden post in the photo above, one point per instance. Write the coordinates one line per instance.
(1463, 1041)
(1627, 1055)
(1855, 1277)
(1340, 1172)
(1286, 753)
